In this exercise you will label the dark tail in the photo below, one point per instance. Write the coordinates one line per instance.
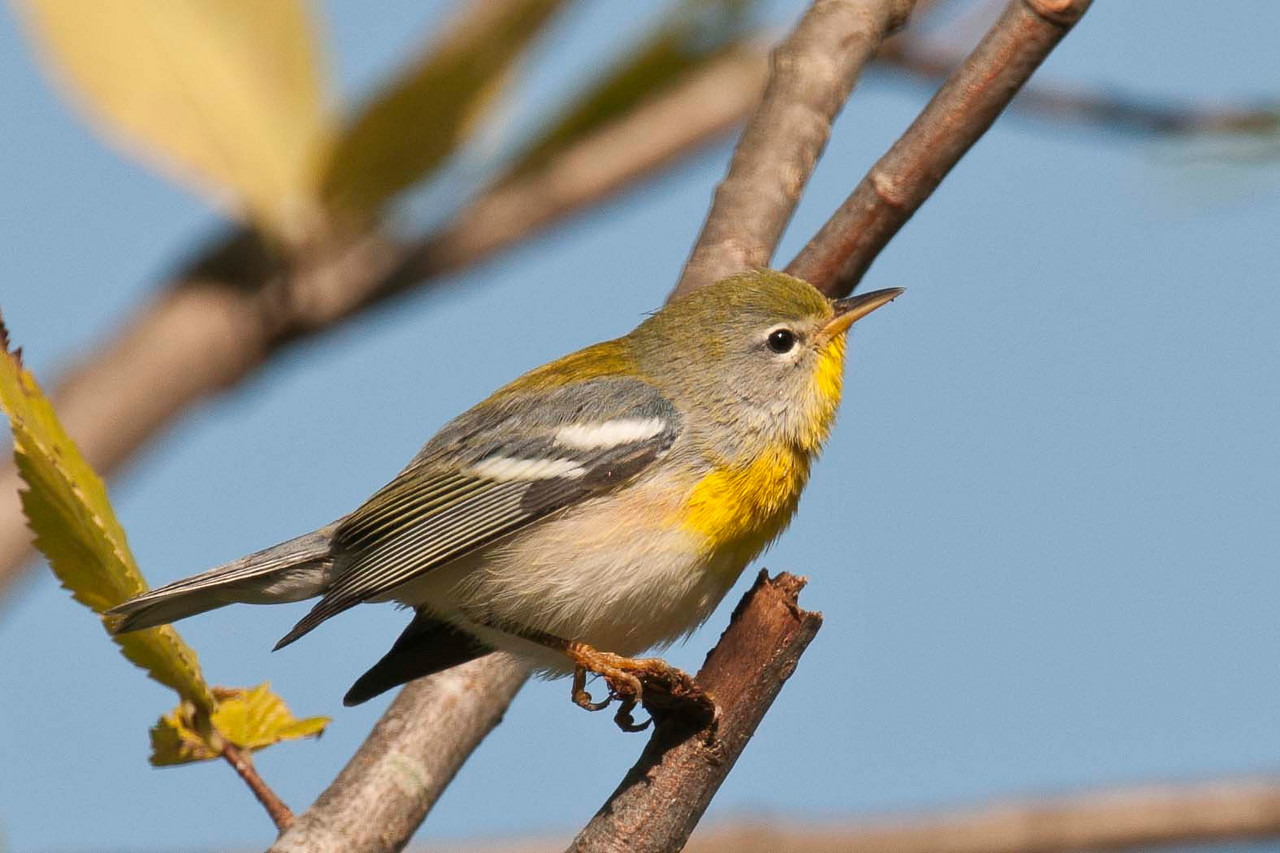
(290, 571)
(426, 647)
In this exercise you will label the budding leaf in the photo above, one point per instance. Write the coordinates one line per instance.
(250, 718)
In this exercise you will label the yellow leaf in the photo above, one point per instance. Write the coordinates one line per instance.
(225, 92)
(249, 718)
(693, 33)
(76, 529)
(406, 132)
(175, 740)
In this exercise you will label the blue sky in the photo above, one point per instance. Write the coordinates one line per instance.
(1043, 535)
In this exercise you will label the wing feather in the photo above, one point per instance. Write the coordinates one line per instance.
(448, 503)
(419, 499)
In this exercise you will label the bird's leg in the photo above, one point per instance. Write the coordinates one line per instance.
(670, 690)
(623, 675)
(669, 686)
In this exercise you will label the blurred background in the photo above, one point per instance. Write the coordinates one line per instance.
(1044, 534)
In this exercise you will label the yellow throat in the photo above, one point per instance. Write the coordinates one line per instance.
(744, 508)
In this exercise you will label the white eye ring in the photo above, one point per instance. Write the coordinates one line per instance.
(782, 340)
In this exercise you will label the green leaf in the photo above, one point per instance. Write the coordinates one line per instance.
(693, 33)
(76, 529)
(226, 92)
(408, 130)
(249, 718)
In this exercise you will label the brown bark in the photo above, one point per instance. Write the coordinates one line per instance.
(962, 110)
(662, 797)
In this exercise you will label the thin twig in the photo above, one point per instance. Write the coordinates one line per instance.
(962, 110)
(1106, 108)
(813, 73)
(243, 764)
(383, 794)
(662, 797)
(222, 319)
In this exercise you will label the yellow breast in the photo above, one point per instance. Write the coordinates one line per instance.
(739, 509)
(744, 509)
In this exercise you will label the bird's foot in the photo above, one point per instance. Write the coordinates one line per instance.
(663, 689)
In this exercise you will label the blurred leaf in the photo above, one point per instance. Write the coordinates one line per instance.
(226, 91)
(75, 528)
(249, 718)
(405, 132)
(693, 33)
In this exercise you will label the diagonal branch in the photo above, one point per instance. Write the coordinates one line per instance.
(963, 109)
(390, 784)
(813, 73)
(233, 309)
(663, 796)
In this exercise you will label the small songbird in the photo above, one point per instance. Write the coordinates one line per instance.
(596, 507)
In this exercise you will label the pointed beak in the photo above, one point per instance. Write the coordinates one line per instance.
(853, 308)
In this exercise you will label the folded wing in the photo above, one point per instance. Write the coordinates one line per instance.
(491, 472)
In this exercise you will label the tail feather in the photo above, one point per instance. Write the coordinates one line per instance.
(427, 646)
(291, 571)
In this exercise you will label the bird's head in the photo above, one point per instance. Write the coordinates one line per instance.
(761, 352)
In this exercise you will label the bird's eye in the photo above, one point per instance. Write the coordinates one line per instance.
(781, 340)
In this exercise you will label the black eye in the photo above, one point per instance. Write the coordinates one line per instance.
(782, 340)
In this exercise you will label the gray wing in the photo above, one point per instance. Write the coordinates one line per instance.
(489, 473)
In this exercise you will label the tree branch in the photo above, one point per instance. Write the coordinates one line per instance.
(235, 307)
(663, 796)
(962, 110)
(242, 762)
(813, 73)
(390, 784)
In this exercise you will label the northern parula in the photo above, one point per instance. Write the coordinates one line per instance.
(596, 507)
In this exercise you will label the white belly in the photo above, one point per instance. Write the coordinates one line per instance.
(616, 575)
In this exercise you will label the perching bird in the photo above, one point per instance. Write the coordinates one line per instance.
(596, 507)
